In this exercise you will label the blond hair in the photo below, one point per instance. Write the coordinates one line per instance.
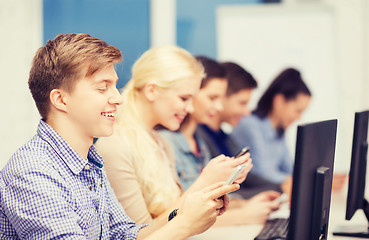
(164, 66)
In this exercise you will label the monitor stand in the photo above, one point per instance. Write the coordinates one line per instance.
(360, 231)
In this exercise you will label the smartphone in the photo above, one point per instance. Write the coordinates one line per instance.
(236, 173)
(242, 152)
(282, 199)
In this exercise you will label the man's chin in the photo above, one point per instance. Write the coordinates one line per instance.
(106, 133)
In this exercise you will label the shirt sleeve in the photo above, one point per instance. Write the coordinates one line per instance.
(122, 177)
(121, 226)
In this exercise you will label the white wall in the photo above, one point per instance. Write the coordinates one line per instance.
(21, 35)
(324, 39)
(353, 56)
(163, 22)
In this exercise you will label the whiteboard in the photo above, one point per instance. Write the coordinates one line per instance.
(265, 39)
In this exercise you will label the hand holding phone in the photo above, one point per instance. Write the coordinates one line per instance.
(282, 199)
(242, 152)
(236, 173)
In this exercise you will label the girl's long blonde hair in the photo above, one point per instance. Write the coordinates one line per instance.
(163, 66)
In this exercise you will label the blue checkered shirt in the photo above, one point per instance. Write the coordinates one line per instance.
(48, 191)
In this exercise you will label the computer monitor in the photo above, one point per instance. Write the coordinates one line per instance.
(357, 176)
(312, 180)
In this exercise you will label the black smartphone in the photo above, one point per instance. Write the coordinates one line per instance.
(242, 152)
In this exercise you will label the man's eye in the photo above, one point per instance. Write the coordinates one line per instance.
(102, 90)
(184, 99)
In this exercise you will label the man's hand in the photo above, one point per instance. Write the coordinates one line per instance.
(200, 209)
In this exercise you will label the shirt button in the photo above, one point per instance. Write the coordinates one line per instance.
(87, 167)
(90, 188)
(100, 185)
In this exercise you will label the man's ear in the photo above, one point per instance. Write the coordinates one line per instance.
(151, 91)
(57, 99)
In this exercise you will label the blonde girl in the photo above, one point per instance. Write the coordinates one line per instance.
(139, 163)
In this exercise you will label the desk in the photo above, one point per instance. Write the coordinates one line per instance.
(248, 232)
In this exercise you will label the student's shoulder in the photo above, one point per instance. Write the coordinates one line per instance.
(32, 157)
(115, 141)
(251, 119)
(33, 153)
(115, 150)
(248, 123)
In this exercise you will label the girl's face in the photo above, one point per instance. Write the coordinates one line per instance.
(288, 111)
(209, 101)
(172, 105)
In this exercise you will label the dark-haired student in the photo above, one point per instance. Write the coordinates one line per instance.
(235, 106)
(139, 163)
(192, 154)
(283, 102)
(55, 186)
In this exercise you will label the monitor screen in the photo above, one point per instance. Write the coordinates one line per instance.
(357, 176)
(312, 180)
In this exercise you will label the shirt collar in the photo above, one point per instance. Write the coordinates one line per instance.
(94, 157)
(65, 152)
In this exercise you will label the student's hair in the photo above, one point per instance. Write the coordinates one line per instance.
(167, 67)
(65, 59)
(212, 68)
(288, 83)
(238, 78)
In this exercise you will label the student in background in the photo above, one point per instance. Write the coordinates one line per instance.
(235, 106)
(139, 163)
(55, 186)
(192, 153)
(282, 103)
